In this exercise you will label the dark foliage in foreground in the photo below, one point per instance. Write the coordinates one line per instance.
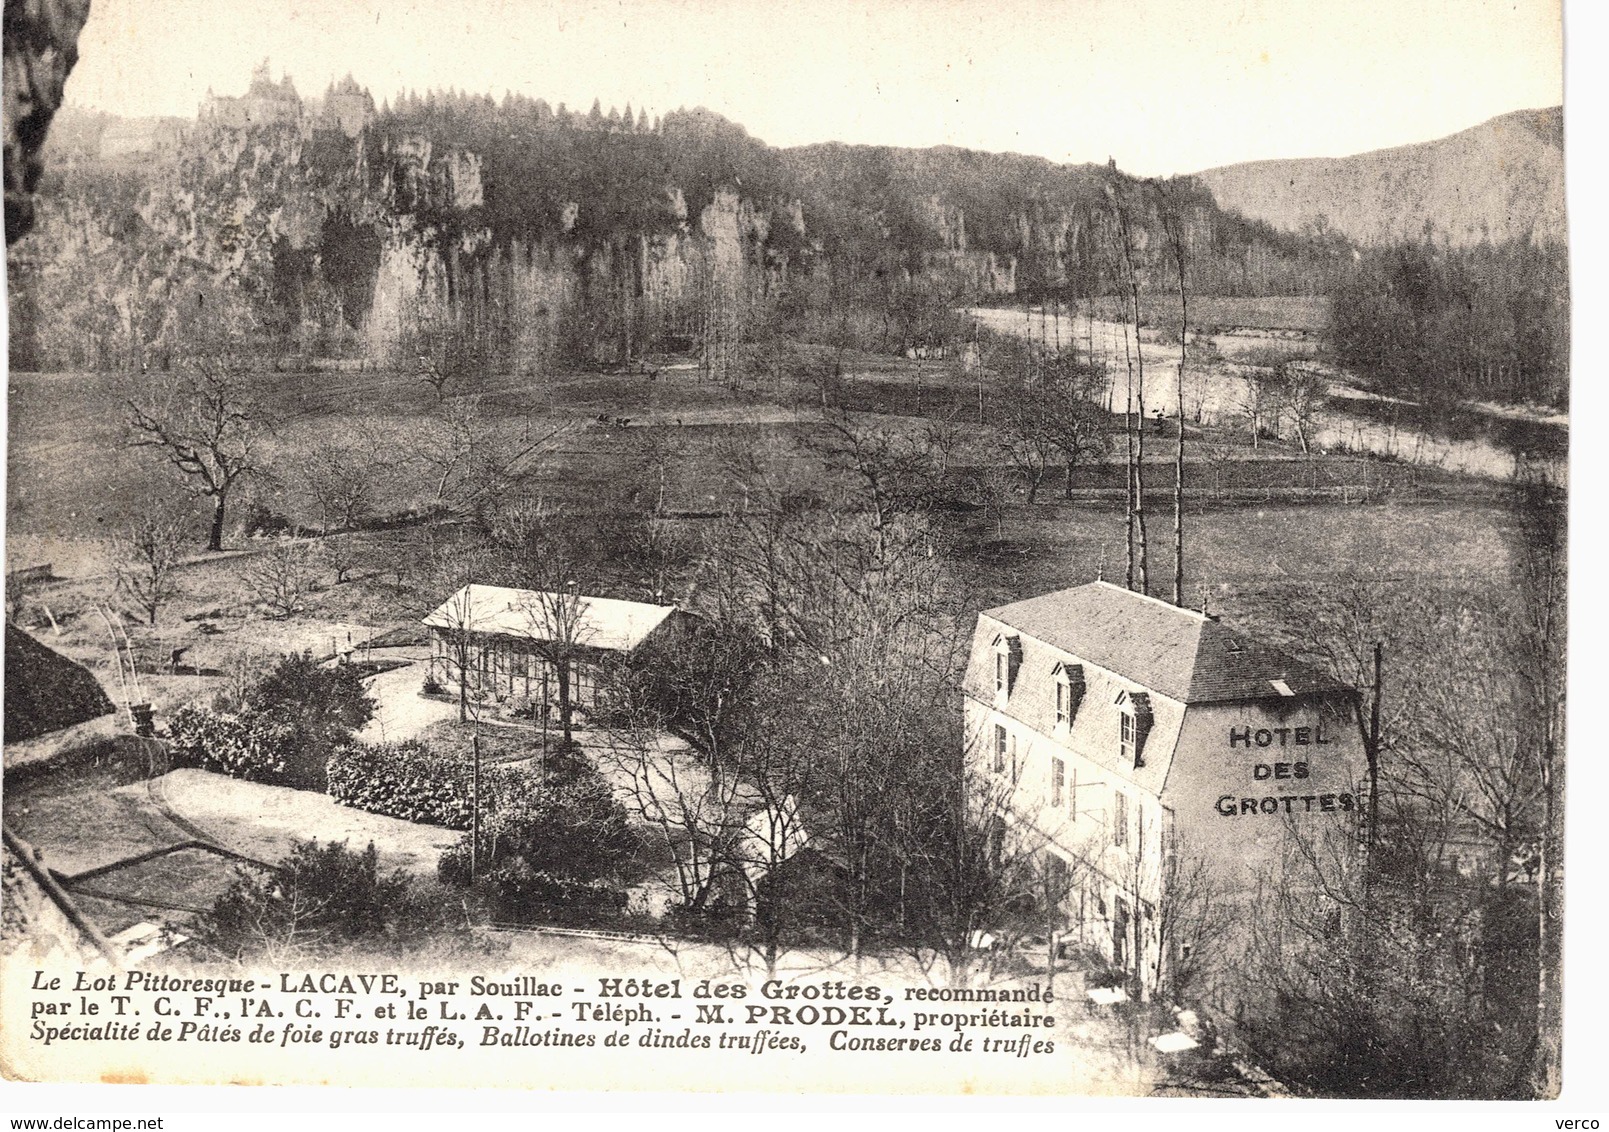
(551, 847)
(319, 899)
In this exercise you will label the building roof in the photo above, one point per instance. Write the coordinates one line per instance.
(600, 622)
(1180, 653)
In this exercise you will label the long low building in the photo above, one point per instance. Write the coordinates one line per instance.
(1134, 738)
(508, 644)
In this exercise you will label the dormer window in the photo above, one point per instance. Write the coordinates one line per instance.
(1007, 659)
(1133, 725)
(1069, 680)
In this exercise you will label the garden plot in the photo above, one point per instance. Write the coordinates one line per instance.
(165, 885)
(265, 821)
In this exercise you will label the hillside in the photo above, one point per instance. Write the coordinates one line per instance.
(1502, 179)
(471, 234)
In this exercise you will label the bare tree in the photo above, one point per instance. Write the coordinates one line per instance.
(1173, 225)
(978, 862)
(779, 775)
(472, 459)
(1195, 918)
(342, 477)
(146, 557)
(1463, 748)
(281, 578)
(1134, 407)
(993, 486)
(441, 351)
(1049, 418)
(691, 804)
(1459, 766)
(727, 806)
(883, 474)
(1053, 883)
(1078, 427)
(1300, 394)
(1388, 986)
(1219, 448)
(558, 626)
(1029, 442)
(204, 422)
(1541, 655)
(1259, 402)
(340, 554)
(456, 617)
(561, 636)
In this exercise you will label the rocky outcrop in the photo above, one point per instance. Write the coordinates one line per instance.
(41, 48)
(455, 232)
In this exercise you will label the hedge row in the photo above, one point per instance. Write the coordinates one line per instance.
(409, 780)
(250, 746)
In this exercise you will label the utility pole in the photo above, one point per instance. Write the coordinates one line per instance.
(474, 809)
(1370, 734)
(1373, 750)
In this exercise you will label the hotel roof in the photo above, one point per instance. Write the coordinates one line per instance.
(1180, 653)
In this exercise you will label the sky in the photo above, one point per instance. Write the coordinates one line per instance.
(1162, 86)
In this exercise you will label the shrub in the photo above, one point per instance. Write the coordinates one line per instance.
(560, 847)
(318, 896)
(411, 781)
(247, 746)
(282, 729)
(330, 699)
(523, 894)
(570, 825)
(261, 521)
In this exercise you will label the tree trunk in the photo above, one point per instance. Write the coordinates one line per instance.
(215, 535)
(463, 683)
(1178, 458)
(1128, 459)
(564, 700)
(1139, 443)
(1371, 750)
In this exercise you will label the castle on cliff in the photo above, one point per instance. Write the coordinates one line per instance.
(345, 106)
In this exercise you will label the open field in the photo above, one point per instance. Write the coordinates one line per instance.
(1255, 516)
(73, 482)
